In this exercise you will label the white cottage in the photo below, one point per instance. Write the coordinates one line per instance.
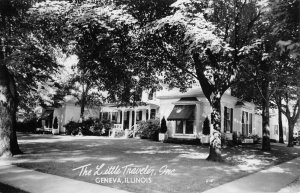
(69, 111)
(186, 112)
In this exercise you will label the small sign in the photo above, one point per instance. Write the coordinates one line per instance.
(247, 141)
(229, 136)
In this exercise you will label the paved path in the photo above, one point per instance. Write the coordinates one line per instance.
(38, 182)
(269, 180)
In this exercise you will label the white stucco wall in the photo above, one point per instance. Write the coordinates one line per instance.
(71, 112)
(203, 110)
(274, 122)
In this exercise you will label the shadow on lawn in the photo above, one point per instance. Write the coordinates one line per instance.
(60, 154)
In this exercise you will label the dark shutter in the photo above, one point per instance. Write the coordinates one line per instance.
(225, 119)
(231, 120)
(250, 123)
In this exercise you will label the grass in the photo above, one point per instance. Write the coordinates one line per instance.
(59, 155)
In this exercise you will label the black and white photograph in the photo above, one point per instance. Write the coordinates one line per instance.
(149, 96)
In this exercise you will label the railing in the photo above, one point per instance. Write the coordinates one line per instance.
(117, 128)
(133, 130)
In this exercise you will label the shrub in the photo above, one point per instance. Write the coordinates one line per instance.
(72, 128)
(163, 126)
(88, 127)
(55, 123)
(149, 129)
(206, 127)
(106, 125)
(28, 125)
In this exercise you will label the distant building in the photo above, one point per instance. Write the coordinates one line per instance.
(186, 112)
(69, 111)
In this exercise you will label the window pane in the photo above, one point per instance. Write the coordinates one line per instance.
(153, 114)
(189, 127)
(105, 115)
(114, 116)
(228, 125)
(179, 126)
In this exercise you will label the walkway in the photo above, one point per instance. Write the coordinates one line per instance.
(38, 182)
(269, 180)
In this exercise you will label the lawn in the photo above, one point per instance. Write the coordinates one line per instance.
(59, 155)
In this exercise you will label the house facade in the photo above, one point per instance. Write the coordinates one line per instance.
(69, 111)
(185, 114)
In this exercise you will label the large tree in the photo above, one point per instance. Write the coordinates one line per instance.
(271, 64)
(201, 40)
(24, 61)
(105, 37)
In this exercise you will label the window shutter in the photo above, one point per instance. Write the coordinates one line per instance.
(250, 123)
(225, 119)
(231, 120)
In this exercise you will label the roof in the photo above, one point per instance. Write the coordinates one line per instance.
(188, 99)
(182, 112)
(46, 114)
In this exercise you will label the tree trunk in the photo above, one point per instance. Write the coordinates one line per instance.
(291, 132)
(266, 116)
(215, 139)
(82, 104)
(8, 106)
(280, 121)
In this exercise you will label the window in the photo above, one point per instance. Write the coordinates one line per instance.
(228, 114)
(105, 116)
(139, 115)
(179, 127)
(275, 129)
(189, 129)
(184, 127)
(114, 116)
(152, 114)
(284, 131)
(151, 94)
(246, 123)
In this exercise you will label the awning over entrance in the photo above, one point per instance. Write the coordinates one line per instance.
(47, 114)
(182, 112)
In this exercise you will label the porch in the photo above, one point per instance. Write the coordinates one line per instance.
(124, 118)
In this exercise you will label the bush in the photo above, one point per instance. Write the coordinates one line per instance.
(29, 125)
(72, 128)
(206, 127)
(149, 129)
(106, 125)
(163, 126)
(88, 127)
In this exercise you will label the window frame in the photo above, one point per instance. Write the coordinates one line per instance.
(176, 126)
(184, 127)
(247, 125)
(228, 119)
